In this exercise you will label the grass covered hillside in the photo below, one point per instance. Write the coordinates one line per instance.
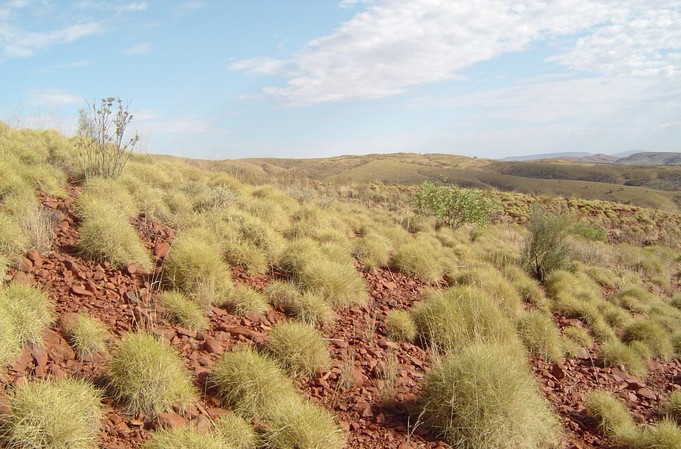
(178, 306)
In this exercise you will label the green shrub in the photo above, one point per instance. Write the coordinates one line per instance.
(547, 249)
(651, 335)
(245, 299)
(539, 333)
(451, 205)
(88, 335)
(28, 309)
(485, 397)
(589, 232)
(250, 383)
(459, 317)
(615, 353)
(417, 260)
(148, 376)
(186, 438)
(298, 424)
(609, 414)
(105, 234)
(194, 266)
(55, 414)
(237, 432)
(183, 311)
(400, 326)
(299, 348)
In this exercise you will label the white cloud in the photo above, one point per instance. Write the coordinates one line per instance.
(51, 97)
(139, 49)
(396, 44)
(133, 7)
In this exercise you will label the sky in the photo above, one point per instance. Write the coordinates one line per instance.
(227, 79)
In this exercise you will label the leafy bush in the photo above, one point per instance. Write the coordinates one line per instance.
(485, 397)
(55, 414)
(451, 205)
(400, 325)
(28, 309)
(183, 311)
(299, 348)
(104, 152)
(88, 335)
(539, 333)
(547, 249)
(461, 316)
(149, 376)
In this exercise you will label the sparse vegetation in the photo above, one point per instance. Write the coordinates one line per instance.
(55, 414)
(547, 249)
(148, 376)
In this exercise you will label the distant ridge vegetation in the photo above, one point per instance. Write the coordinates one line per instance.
(651, 158)
(656, 187)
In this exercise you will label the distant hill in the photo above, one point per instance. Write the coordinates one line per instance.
(564, 155)
(651, 158)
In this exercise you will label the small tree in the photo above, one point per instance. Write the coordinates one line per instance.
(453, 206)
(102, 146)
(546, 249)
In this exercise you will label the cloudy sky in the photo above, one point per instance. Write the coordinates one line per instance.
(306, 78)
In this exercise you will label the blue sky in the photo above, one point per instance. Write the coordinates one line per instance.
(313, 78)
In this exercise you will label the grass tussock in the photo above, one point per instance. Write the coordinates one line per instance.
(485, 397)
(13, 242)
(299, 348)
(237, 432)
(374, 251)
(55, 414)
(539, 333)
(400, 326)
(673, 406)
(326, 270)
(10, 343)
(250, 383)
(148, 376)
(609, 414)
(88, 335)
(315, 310)
(284, 296)
(415, 259)
(616, 353)
(29, 311)
(461, 316)
(298, 424)
(183, 311)
(650, 334)
(664, 434)
(194, 266)
(488, 279)
(244, 299)
(186, 438)
(575, 339)
(106, 234)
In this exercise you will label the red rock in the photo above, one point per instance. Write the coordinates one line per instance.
(22, 278)
(201, 423)
(558, 371)
(170, 420)
(186, 332)
(132, 268)
(358, 378)
(80, 290)
(213, 346)
(646, 393)
(67, 321)
(21, 363)
(34, 256)
(39, 357)
(161, 249)
(24, 264)
(56, 372)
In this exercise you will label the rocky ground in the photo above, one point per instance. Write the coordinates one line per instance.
(354, 388)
